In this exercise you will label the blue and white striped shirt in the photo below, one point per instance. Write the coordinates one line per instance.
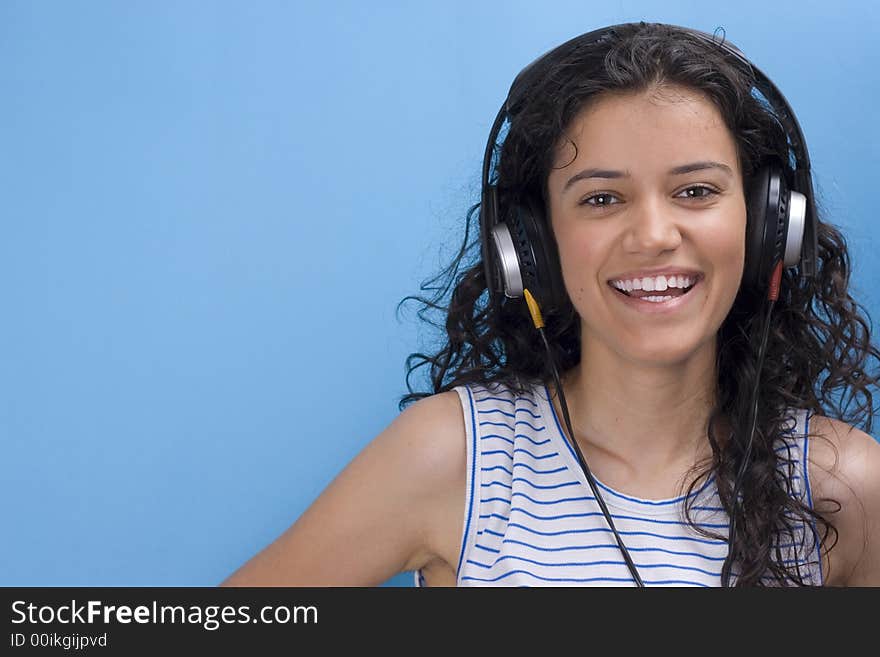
(531, 519)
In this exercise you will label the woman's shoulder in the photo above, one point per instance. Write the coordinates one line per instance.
(435, 430)
(437, 424)
(842, 456)
(844, 469)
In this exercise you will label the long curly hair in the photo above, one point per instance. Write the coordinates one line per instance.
(819, 352)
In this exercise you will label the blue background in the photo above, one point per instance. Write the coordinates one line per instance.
(210, 210)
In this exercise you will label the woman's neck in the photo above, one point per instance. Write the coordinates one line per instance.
(647, 416)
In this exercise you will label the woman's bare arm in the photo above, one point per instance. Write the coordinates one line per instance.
(375, 519)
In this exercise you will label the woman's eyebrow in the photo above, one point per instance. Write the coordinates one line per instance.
(675, 171)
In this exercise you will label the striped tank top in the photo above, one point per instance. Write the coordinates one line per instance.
(531, 519)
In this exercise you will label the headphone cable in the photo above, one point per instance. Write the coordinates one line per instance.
(538, 321)
(772, 296)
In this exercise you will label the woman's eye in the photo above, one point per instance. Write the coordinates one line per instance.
(705, 192)
(599, 200)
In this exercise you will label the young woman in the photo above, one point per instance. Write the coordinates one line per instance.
(653, 365)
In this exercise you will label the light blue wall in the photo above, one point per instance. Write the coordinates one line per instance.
(209, 211)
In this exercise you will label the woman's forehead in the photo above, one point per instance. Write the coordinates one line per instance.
(646, 129)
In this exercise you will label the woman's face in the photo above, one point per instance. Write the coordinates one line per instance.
(654, 191)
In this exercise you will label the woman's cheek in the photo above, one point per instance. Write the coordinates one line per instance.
(578, 260)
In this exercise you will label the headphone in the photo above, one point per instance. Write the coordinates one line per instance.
(520, 253)
(520, 257)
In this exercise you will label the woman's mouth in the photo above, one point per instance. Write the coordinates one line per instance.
(657, 301)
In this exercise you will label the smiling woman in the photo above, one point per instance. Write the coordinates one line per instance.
(652, 270)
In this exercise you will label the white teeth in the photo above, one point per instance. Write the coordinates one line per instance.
(650, 284)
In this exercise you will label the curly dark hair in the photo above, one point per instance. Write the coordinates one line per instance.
(819, 347)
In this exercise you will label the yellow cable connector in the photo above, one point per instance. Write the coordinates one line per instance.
(535, 311)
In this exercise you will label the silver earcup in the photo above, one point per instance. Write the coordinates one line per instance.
(508, 261)
(797, 215)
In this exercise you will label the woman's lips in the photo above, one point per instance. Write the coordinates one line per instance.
(657, 307)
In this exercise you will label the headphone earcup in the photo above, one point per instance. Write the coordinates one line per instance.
(538, 256)
(766, 226)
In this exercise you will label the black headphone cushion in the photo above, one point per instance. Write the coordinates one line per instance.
(766, 226)
(538, 256)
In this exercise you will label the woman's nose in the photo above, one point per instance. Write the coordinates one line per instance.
(653, 230)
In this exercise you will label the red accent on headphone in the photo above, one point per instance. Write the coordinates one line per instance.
(775, 280)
